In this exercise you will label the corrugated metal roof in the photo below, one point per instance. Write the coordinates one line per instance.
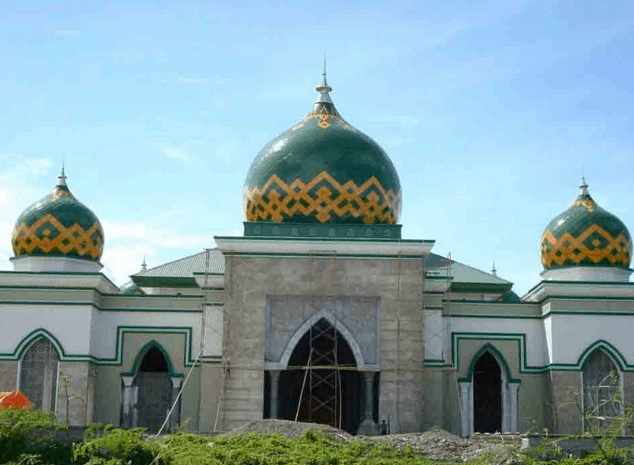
(460, 272)
(187, 266)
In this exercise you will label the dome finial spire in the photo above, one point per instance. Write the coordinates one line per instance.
(324, 88)
(62, 177)
(584, 187)
(324, 75)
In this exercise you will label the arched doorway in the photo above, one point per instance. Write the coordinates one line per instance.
(487, 395)
(322, 384)
(38, 374)
(154, 390)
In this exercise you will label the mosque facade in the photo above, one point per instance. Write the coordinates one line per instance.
(319, 312)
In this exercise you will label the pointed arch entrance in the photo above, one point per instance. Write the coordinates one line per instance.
(487, 395)
(321, 382)
(155, 389)
(149, 389)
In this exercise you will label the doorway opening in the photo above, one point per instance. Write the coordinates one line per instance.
(154, 390)
(487, 395)
(322, 383)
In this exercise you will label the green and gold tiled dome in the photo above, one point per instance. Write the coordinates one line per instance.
(586, 235)
(58, 226)
(323, 170)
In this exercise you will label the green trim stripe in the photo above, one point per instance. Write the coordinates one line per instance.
(323, 255)
(437, 363)
(506, 317)
(520, 338)
(188, 359)
(498, 355)
(144, 350)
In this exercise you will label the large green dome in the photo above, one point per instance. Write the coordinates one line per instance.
(323, 170)
(58, 225)
(586, 235)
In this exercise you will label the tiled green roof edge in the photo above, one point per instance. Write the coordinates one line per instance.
(480, 287)
(164, 281)
(383, 232)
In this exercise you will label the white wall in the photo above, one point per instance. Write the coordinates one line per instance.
(69, 324)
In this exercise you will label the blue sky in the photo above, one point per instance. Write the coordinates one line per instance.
(490, 110)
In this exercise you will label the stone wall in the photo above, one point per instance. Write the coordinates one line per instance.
(8, 375)
(566, 401)
(74, 393)
(358, 315)
(396, 284)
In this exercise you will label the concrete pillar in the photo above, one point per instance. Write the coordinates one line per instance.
(175, 417)
(369, 398)
(127, 401)
(368, 427)
(275, 383)
(506, 410)
(466, 410)
(513, 394)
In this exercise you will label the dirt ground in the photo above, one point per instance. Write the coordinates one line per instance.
(436, 444)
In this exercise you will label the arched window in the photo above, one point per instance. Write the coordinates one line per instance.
(601, 390)
(38, 374)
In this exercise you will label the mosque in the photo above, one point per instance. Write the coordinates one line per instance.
(320, 311)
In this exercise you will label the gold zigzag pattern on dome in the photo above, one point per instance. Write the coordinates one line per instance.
(567, 243)
(323, 117)
(588, 203)
(68, 239)
(277, 200)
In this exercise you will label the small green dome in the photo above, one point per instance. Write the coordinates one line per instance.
(131, 288)
(58, 225)
(323, 170)
(586, 235)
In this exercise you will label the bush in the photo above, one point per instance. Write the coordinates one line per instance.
(313, 448)
(115, 446)
(30, 431)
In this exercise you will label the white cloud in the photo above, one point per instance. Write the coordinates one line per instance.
(24, 170)
(18, 189)
(176, 153)
(66, 32)
(121, 261)
(128, 243)
(191, 80)
(197, 80)
(150, 234)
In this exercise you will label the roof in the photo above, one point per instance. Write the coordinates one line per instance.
(461, 273)
(181, 272)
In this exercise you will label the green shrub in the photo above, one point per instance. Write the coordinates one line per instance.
(313, 448)
(29, 431)
(115, 446)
